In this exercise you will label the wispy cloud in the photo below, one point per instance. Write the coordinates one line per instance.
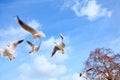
(35, 24)
(114, 44)
(41, 67)
(53, 79)
(74, 76)
(89, 8)
(45, 67)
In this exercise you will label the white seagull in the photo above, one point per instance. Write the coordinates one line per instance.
(9, 51)
(84, 74)
(60, 47)
(34, 48)
(28, 28)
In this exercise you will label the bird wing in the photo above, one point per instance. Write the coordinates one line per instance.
(30, 43)
(54, 50)
(62, 44)
(61, 36)
(14, 44)
(20, 41)
(39, 46)
(25, 26)
(88, 70)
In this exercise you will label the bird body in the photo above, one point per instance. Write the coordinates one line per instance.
(9, 51)
(59, 47)
(84, 75)
(34, 48)
(36, 34)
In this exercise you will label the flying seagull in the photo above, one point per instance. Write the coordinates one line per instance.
(9, 51)
(60, 46)
(84, 74)
(34, 48)
(28, 28)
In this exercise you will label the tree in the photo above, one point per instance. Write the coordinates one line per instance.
(105, 64)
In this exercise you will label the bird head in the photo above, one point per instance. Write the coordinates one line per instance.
(56, 43)
(39, 35)
(80, 74)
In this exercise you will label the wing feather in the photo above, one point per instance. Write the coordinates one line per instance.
(54, 50)
(25, 26)
(30, 43)
(89, 69)
(20, 41)
(39, 45)
(61, 36)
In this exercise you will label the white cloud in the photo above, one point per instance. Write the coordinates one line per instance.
(47, 44)
(53, 79)
(41, 67)
(74, 76)
(89, 8)
(114, 44)
(44, 66)
(10, 34)
(34, 24)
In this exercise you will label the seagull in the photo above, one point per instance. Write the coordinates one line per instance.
(34, 48)
(59, 46)
(84, 75)
(28, 28)
(9, 51)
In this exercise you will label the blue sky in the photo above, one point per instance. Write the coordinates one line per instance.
(86, 25)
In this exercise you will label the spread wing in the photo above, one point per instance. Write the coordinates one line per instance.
(25, 26)
(88, 70)
(39, 45)
(30, 43)
(54, 50)
(61, 36)
(62, 45)
(20, 41)
(14, 44)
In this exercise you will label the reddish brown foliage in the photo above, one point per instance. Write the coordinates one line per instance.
(106, 64)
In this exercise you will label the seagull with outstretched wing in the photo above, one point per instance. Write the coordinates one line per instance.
(60, 47)
(28, 28)
(34, 48)
(84, 74)
(9, 51)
